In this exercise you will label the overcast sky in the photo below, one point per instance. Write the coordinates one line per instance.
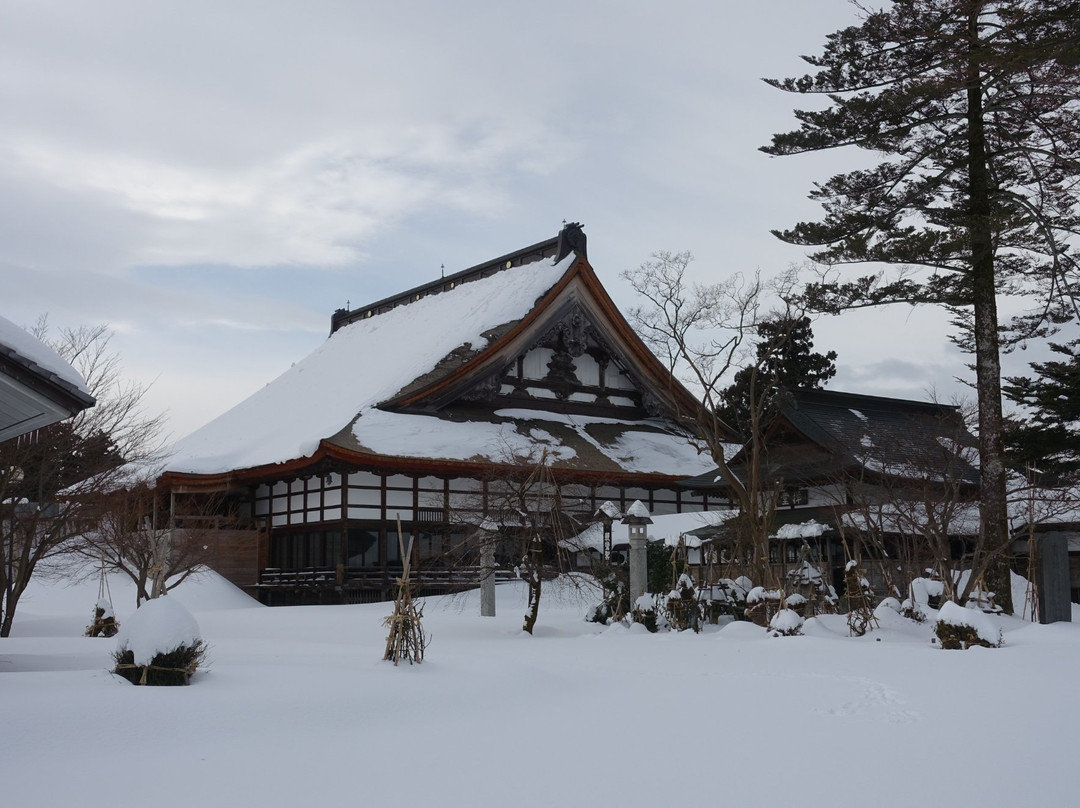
(213, 179)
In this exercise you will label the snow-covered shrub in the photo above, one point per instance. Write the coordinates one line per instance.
(646, 613)
(785, 623)
(682, 607)
(104, 623)
(613, 603)
(727, 597)
(961, 628)
(891, 603)
(598, 613)
(797, 603)
(159, 645)
(859, 596)
(927, 592)
(912, 611)
(983, 599)
(807, 580)
(762, 604)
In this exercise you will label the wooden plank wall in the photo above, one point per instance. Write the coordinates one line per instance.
(234, 554)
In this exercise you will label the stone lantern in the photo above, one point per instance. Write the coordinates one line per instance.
(636, 519)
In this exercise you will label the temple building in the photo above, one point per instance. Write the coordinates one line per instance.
(420, 410)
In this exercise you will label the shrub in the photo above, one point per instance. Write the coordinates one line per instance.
(174, 667)
(762, 604)
(912, 611)
(728, 597)
(645, 612)
(159, 645)
(682, 606)
(959, 628)
(613, 604)
(104, 623)
(785, 623)
(797, 603)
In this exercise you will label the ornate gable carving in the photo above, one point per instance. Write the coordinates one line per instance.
(569, 368)
(571, 332)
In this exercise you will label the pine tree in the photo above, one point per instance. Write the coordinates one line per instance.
(972, 110)
(1048, 437)
(785, 360)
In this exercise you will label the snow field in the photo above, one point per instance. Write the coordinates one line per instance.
(298, 707)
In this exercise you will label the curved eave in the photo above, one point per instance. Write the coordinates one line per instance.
(657, 375)
(330, 457)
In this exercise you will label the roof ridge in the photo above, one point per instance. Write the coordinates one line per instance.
(527, 255)
(842, 397)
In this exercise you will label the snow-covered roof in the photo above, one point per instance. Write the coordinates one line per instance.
(668, 528)
(358, 367)
(610, 510)
(810, 529)
(30, 348)
(908, 517)
(37, 386)
(357, 392)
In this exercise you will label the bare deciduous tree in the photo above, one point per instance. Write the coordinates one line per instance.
(520, 518)
(129, 536)
(50, 478)
(704, 333)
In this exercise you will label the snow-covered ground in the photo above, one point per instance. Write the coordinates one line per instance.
(297, 708)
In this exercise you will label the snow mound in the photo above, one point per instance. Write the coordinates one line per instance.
(207, 591)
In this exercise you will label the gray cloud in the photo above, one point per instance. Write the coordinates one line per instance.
(215, 179)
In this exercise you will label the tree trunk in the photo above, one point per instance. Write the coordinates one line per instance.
(993, 511)
(10, 602)
(534, 600)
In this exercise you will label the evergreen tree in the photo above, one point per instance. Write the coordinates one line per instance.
(1048, 437)
(972, 109)
(785, 360)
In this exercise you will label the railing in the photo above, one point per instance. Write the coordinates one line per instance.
(367, 578)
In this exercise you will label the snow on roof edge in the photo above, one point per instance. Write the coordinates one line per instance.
(358, 366)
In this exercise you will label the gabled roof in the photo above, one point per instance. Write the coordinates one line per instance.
(37, 387)
(821, 435)
(396, 383)
(885, 436)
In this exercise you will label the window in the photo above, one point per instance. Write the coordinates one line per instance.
(793, 497)
(363, 548)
